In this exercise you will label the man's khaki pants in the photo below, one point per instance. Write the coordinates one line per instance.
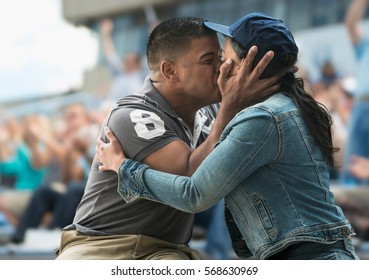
(78, 246)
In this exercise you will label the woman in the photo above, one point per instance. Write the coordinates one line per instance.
(271, 163)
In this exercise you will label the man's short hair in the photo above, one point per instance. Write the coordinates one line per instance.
(172, 37)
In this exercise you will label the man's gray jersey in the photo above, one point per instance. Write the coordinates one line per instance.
(142, 123)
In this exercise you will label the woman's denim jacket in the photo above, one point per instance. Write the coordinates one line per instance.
(272, 174)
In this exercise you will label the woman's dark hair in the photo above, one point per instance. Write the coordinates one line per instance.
(315, 114)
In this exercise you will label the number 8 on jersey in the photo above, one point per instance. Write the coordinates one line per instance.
(148, 124)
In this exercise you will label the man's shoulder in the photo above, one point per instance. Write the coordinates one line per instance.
(132, 105)
(142, 126)
(143, 117)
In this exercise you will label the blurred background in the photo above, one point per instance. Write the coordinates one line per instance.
(61, 64)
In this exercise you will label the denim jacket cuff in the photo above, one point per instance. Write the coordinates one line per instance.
(130, 180)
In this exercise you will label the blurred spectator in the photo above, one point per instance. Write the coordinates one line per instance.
(53, 204)
(340, 102)
(151, 17)
(334, 93)
(6, 150)
(39, 137)
(328, 73)
(328, 77)
(98, 116)
(320, 93)
(355, 201)
(359, 167)
(16, 160)
(341, 96)
(127, 77)
(359, 125)
(304, 74)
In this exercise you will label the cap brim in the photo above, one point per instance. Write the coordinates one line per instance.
(223, 29)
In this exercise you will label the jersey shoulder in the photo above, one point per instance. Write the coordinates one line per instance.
(141, 128)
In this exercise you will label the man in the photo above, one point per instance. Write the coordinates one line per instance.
(162, 126)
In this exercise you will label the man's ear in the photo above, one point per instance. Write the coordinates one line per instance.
(167, 69)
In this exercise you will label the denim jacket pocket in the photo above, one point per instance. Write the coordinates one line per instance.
(265, 216)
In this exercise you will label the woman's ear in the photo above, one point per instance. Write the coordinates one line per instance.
(168, 70)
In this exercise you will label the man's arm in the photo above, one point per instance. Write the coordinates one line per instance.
(354, 14)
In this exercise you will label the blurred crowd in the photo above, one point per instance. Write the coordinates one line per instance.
(45, 160)
(336, 92)
(42, 160)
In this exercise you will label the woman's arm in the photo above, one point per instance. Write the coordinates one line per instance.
(248, 143)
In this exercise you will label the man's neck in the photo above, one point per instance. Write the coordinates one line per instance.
(184, 108)
(187, 114)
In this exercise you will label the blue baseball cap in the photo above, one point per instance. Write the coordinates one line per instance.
(263, 31)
